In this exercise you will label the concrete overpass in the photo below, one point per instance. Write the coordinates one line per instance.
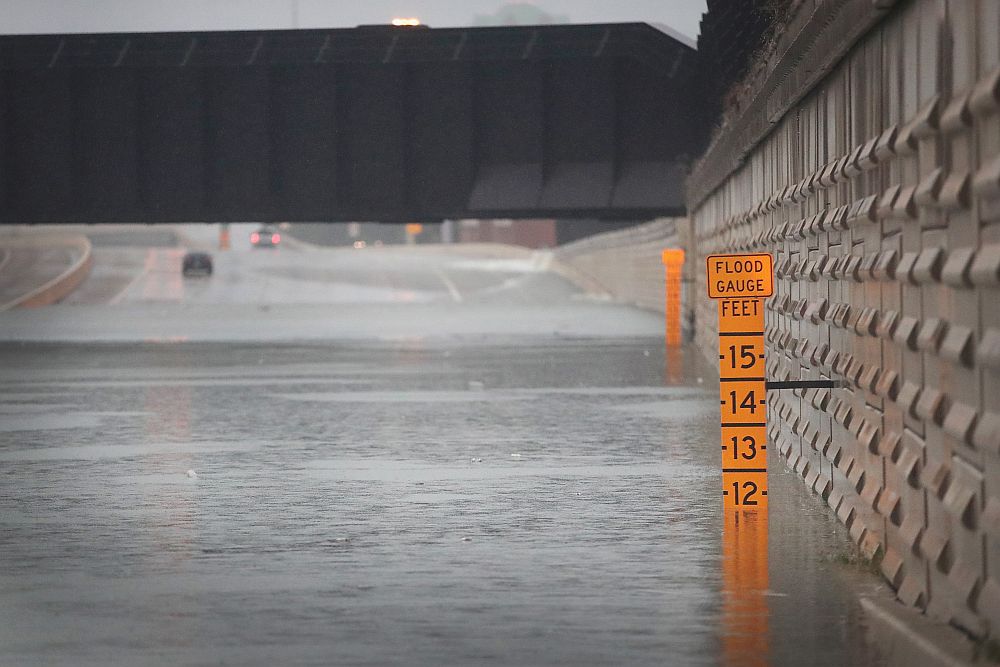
(374, 123)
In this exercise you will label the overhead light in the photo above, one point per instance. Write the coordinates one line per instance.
(406, 22)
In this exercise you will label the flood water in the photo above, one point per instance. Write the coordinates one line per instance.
(529, 503)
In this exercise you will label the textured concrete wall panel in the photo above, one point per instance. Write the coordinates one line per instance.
(876, 186)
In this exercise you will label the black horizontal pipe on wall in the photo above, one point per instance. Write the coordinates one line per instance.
(376, 123)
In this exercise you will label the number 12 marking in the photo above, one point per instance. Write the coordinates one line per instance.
(750, 489)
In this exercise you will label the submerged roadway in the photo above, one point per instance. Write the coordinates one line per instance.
(410, 456)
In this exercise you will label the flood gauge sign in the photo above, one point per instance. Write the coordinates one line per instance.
(740, 283)
(732, 276)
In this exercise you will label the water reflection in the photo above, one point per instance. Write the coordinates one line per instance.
(745, 583)
(168, 410)
(168, 413)
(673, 372)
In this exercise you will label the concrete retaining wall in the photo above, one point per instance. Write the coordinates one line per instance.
(626, 264)
(62, 285)
(867, 160)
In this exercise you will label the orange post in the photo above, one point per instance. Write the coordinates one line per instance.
(743, 402)
(673, 262)
(740, 283)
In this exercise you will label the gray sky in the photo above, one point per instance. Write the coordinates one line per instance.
(44, 16)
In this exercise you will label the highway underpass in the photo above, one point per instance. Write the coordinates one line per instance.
(470, 454)
(446, 487)
(370, 123)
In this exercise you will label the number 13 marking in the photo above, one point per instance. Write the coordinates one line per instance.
(751, 445)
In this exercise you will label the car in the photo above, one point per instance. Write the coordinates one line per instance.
(265, 237)
(197, 263)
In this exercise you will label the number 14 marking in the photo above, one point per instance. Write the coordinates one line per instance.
(749, 402)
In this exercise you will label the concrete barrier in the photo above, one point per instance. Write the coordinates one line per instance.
(62, 285)
(866, 160)
(625, 264)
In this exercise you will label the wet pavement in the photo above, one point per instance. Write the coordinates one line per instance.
(432, 503)
(411, 456)
(295, 293)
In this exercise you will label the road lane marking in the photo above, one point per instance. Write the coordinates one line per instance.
(455, 294)
(541, 261)
(117, 298)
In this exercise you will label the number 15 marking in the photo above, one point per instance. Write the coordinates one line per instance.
(741, 356)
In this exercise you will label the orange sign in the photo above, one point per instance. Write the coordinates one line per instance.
(741, 355)
(742, 401)
(732, 276)
(740, 283)
(737, 315)
(744, 490)
(744, 448)
(414, 228)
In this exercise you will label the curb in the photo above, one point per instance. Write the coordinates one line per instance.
(62, 285)
(905, 637)
(547, 258)
(590, 286)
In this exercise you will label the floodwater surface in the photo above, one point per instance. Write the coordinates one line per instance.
(538, 503)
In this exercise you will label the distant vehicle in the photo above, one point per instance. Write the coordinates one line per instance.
(197, 263)
(265, 237)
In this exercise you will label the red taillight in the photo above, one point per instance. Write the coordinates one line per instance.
(255, 237)
(275, 239)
